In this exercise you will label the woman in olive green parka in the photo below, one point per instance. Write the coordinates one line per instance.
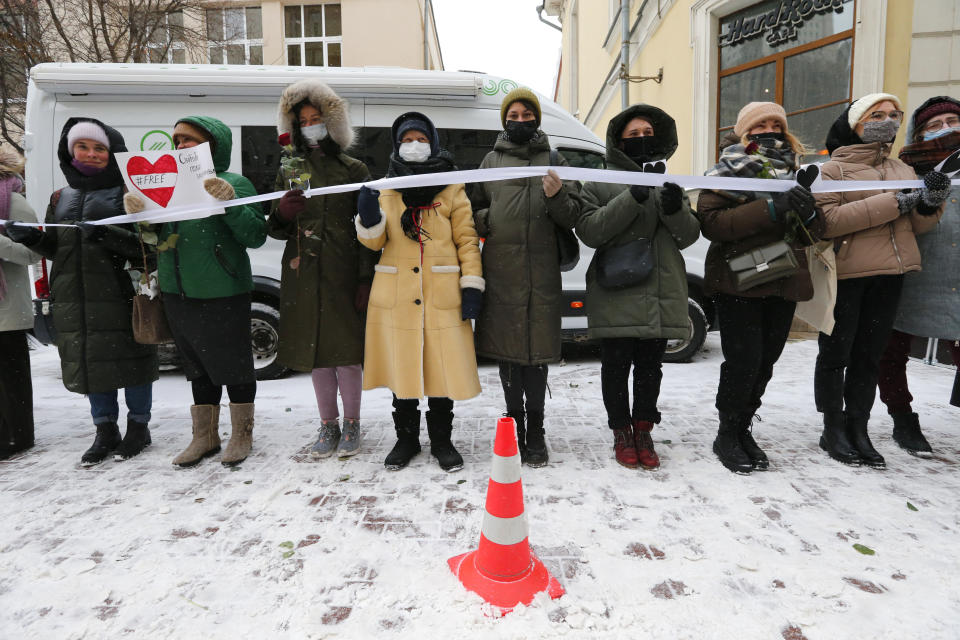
(205, 280)
(634, 323)
(519, 221)
(326, 273)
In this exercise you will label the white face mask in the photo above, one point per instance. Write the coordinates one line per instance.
(415, 151)
(314, 133)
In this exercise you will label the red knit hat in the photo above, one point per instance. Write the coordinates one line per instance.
(935, 109)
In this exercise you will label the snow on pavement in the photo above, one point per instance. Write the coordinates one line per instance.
(284, 547)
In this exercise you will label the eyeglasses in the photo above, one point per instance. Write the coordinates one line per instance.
(947, 123)
(878, 116)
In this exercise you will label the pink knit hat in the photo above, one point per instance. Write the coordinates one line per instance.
(756, 112)
(86, 130)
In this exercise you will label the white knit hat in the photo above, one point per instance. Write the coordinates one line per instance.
(860, 107)
(86, 131)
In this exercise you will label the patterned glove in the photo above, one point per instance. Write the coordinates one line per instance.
(471, 302)
(219, 188)
(132, 203)
(936, 189)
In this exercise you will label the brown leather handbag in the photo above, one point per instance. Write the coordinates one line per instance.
(149, 322)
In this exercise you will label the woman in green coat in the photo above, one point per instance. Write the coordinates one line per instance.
(326, 273)
(205, 281)
(92, 293)
(519, 221)
(634, 321)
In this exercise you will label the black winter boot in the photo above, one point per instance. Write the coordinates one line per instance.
(907, 434)
(135, 440)
(750, 446)
(857, 428)
(521, 423)
(440, 427)
(407, 424)
(536, 444)
(835, 439)
(727, 444)
(106, 440)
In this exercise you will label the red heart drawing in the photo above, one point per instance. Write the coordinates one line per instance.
(155, 180)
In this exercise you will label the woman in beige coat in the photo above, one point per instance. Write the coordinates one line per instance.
(427, 287)
(873, 233)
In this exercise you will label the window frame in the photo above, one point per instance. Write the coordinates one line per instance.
(170, 45)
(779, 58)
(302, 41)
(224, 43)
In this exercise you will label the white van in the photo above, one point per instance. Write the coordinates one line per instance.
(143, 101)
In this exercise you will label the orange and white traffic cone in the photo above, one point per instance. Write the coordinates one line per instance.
(503, 570)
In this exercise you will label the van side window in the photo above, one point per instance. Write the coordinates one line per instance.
(260, 158)
(584, 159)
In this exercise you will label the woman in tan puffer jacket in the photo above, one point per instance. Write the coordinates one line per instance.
(873, 234)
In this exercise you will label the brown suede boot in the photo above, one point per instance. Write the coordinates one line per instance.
(241, 438)
(206, 436)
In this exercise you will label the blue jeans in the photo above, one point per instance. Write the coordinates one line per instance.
(104, 408)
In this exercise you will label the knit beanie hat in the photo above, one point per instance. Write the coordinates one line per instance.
(524, 95)
(756, 112)
(946, 105)
(862, 105)
(413, 124)
(86, 131)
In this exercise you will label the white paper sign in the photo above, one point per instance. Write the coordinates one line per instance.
(169, 178)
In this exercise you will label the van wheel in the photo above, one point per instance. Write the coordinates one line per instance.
(264, 339)
(684, 350)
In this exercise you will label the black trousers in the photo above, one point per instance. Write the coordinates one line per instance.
(617, 356)
(16, 392)
(753, 332)
(848, 363)
(521, 381)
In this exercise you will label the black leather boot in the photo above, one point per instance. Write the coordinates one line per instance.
(135, 440)
(407, 425)
(727, 445)
(857, 427)
(907, 434)
(440, 427)
(106, 440)
(835, 439)
(537, 455)
(750, 446)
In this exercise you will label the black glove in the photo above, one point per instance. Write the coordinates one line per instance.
(23, 234)
(368, 206)
(640, 193)
(671, 197)
(92, 232)
(471, 302)
(797, 199)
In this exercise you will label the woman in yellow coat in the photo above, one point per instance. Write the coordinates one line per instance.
(426, 289)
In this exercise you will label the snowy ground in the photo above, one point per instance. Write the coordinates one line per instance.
(285, 547)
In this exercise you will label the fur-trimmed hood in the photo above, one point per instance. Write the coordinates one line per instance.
(11, 163)
(335, 112)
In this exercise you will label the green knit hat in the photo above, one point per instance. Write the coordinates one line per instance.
(520, 94)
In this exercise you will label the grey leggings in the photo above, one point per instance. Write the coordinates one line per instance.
(349, 380)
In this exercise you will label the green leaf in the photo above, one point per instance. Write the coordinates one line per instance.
(343, 478)
(248, 482)
(287, 554)
(304, 177)
(911, 507)
(287, 545)
(169, 243)
(667, 441)
(461, 481)
(865, 550)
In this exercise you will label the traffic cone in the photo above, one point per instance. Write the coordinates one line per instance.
(503, 570)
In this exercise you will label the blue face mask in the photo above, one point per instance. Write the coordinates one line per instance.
(933, 135)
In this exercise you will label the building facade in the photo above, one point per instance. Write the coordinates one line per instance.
(702, 60)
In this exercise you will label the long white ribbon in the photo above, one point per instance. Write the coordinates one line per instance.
(192, 212)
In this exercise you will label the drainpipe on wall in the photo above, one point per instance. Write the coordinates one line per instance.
(624, 54)
(426, 36)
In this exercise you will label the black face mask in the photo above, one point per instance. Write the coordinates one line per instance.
(640, 149)
(767, 139)
(521, 132)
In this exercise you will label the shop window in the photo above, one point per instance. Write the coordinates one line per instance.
(235, 35)
(798, 54)
(313, 35)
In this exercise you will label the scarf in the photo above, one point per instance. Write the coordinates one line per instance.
(778, 162)
(418, 199)
(7, 186)
(923, 156)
